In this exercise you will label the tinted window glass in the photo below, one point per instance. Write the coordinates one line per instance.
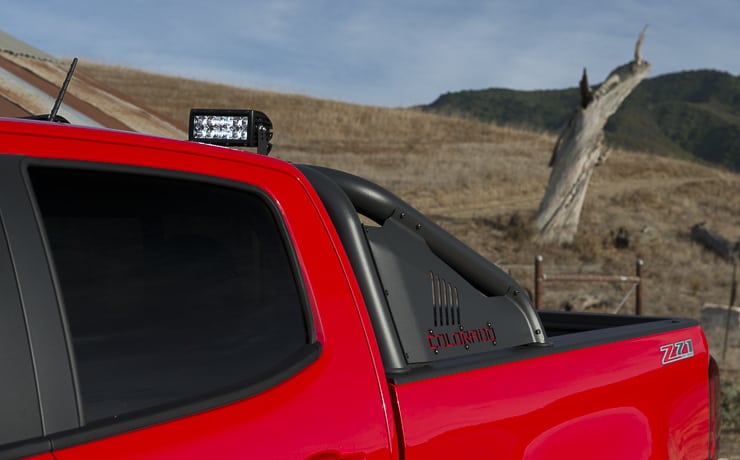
(172, 289)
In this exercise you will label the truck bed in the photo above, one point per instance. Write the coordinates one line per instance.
(559, 323)
(602, 392)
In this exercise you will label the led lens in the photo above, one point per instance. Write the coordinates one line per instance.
(231, 127)
(227, 128)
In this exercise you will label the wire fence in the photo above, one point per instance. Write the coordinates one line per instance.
(541, 278)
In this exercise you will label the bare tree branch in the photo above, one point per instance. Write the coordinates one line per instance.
(638, 46)
(586, 94)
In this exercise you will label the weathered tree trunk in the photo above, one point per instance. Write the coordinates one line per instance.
(716, 242)
(580, 148)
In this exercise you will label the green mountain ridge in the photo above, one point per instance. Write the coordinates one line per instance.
(692, 114)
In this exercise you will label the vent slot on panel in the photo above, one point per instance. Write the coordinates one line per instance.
(445, 302)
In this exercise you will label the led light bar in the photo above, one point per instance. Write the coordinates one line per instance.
(246, 128)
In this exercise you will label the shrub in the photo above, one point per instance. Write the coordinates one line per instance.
(730, 404)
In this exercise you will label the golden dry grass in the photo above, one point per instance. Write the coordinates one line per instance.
(304, 123)
(481, 181)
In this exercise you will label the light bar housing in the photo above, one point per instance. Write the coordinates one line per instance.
(230, 127)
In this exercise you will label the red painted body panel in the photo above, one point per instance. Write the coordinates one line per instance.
(335, 407)
(613, 401)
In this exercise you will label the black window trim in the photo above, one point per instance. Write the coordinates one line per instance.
(25, 448)
(304, 357)
(43, 324)
(12, 298)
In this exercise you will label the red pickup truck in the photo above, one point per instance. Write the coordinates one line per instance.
(171, 299)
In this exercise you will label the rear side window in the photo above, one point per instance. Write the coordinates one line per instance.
(173, 289)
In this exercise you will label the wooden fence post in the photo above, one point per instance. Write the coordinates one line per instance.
(638, 290)
(538, 282)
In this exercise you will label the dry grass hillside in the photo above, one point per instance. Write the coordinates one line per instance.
(483, 183)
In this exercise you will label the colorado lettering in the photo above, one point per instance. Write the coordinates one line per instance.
(461, 338)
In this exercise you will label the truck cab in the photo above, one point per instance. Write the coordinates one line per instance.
(167, 299)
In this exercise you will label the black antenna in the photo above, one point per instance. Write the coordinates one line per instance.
(63, 91)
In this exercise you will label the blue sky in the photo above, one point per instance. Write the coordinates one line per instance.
(384, 52)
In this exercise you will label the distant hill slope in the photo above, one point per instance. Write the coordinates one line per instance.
(692, 114)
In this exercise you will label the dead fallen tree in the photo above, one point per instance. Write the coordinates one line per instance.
(580, 148)
(721, 246)
(715, 242)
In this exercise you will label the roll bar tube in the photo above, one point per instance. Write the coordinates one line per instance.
(345, 195)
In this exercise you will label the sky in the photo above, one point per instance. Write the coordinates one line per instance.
(393, 53)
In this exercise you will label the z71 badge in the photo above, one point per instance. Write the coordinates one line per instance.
(677, 351)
